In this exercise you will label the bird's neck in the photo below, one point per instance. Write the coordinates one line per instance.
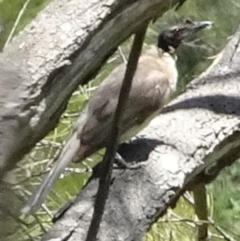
(153, 50)
(170, 53)
(167, 61)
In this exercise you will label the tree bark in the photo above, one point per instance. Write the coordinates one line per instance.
(62, 48)
(196, 136)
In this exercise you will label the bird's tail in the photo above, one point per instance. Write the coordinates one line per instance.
(68, 153)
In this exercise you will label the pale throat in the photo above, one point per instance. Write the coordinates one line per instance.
(170, 58)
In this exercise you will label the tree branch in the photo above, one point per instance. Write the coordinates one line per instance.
(108, 159)
(201, 209)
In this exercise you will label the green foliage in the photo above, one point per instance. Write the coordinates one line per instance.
(175, 224)
(9, 10)
(225, 195)
(225, 209)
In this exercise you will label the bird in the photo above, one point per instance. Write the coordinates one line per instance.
(154, 82)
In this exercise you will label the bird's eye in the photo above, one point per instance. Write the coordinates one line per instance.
(178, 31)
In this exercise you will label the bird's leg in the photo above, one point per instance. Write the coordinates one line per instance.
(122, 163)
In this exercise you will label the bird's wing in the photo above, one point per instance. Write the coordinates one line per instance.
(150, 91)
(148, 94)
(101, 109)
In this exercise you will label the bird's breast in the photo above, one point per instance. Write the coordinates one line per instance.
(167, 63)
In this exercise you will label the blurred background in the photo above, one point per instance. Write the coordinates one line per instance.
(193, 58)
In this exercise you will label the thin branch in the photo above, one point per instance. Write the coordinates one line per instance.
(108, 158)
(200, 201)
(16, 23)
(122, 55)
(219, 229)
(226, 236)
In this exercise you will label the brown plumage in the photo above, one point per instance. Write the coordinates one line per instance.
(153, 83)
(149, 92)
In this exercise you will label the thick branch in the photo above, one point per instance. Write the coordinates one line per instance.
(195, 137)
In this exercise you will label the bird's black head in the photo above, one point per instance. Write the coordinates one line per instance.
(171, 38)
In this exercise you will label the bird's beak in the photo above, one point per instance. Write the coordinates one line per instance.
(197, 26)
(190, 27)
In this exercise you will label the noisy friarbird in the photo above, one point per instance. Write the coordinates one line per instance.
(154, 81)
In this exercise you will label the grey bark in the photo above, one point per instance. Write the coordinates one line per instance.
(62, 48)
(189, 143)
